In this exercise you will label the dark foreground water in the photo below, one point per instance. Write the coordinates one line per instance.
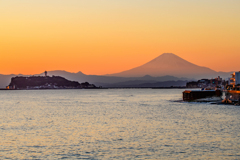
(115, 124)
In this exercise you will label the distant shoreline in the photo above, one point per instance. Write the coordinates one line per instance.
(102, 88)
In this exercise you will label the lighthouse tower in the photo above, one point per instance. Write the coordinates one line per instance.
(45, 73)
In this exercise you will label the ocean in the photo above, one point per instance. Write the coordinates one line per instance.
(115, 124)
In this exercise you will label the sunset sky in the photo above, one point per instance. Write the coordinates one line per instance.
(109, 36)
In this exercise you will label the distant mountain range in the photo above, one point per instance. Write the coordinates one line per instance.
(171, 64)
(108, 81)
(164, 71)
(111, 81)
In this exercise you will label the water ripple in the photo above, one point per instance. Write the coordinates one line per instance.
(115, 124)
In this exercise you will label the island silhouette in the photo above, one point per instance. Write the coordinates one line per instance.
(46, 82)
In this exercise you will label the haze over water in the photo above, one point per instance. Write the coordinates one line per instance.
(115, 124)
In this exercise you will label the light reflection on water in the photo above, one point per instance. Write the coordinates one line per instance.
(115, 124)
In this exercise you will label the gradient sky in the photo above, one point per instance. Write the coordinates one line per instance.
(109, 36)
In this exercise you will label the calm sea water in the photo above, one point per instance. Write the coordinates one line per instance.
(115, 124)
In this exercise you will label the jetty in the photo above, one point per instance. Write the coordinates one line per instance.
(191, 95)
(230, 90)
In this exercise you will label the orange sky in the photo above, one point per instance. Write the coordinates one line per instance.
(109, 36)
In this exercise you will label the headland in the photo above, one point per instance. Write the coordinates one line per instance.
(46, 82)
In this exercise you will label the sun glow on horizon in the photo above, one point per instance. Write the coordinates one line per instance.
(104, 37)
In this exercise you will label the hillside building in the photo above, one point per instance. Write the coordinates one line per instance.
(235, 80)
(207, 83)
